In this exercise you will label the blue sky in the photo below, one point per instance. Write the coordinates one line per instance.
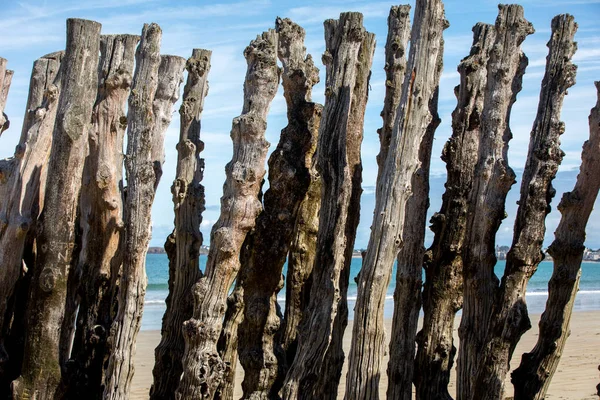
(30, 29)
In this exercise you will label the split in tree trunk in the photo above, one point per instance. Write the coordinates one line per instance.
(183, 245)
(142, 127)
(101, 217)
(41, 372)
(203, 368)
(316, 370)
(266, 247)
(21, 206)
(492, 181)
(509, 319)
(442, 293)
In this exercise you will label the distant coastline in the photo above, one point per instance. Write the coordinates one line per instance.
(161, 250)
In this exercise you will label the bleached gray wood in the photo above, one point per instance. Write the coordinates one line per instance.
(188, 200)
(41, 372)
(141, 128)
(101, 217)
(316, 369)
(407, 161)
(493, 179)
(203, 368)
(442, 292)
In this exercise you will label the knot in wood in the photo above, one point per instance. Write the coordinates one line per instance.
(48, 278)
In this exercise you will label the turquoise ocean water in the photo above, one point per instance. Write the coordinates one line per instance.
(588, 298)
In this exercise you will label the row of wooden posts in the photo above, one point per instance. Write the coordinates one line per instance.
(73, 238)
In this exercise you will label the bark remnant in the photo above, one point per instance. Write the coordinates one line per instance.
(267, 246)
(203, 368)
(316, 370)
(442, 293)
(493, 179)
(41, 372)
(184, 253)
(509, 318)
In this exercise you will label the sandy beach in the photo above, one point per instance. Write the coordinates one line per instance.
(576, 377)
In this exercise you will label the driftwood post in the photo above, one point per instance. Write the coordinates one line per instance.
(23, 201)
(5, 81)
(260, 352)
(188, 199)
(101, 215)
(492, 181)
(203, 368)
(442, 294)
(141, 127)
(532, 378)
(41, 372)
(509, 318)
(316, 370)
(401, 204)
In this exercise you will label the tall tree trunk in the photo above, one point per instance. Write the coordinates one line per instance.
(101, 216)
(141, 127)
(267, 245)
(316, 369)
(41, 372)
(24, 200)
(407, 161)
(5, 81)
(532, 378)
(188, 199)
(492, 181)
(203, 368)
(509, 318)
(442, 293)
(228, 341)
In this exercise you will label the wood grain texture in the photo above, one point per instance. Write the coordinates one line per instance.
(141, 128)
(41, 373)
(493, 179)
(203, 367)
(101, 217)
(23, 187)
(188, 200)
(442, 292)
(316, 370)
(509, 318)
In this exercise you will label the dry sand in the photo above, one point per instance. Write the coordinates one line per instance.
(576, 377)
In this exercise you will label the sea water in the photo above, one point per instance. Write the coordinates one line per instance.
(588, 298)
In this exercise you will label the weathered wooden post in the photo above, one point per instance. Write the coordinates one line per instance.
(203, 368)
(266, 247)
(316, 370)
(532, 379)
(492, 181)
(401, 205)
(41, 372)
(442, 293)
(101, 215)
(188, 199)
(141, 180)
(509, 317)
(21, 205)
